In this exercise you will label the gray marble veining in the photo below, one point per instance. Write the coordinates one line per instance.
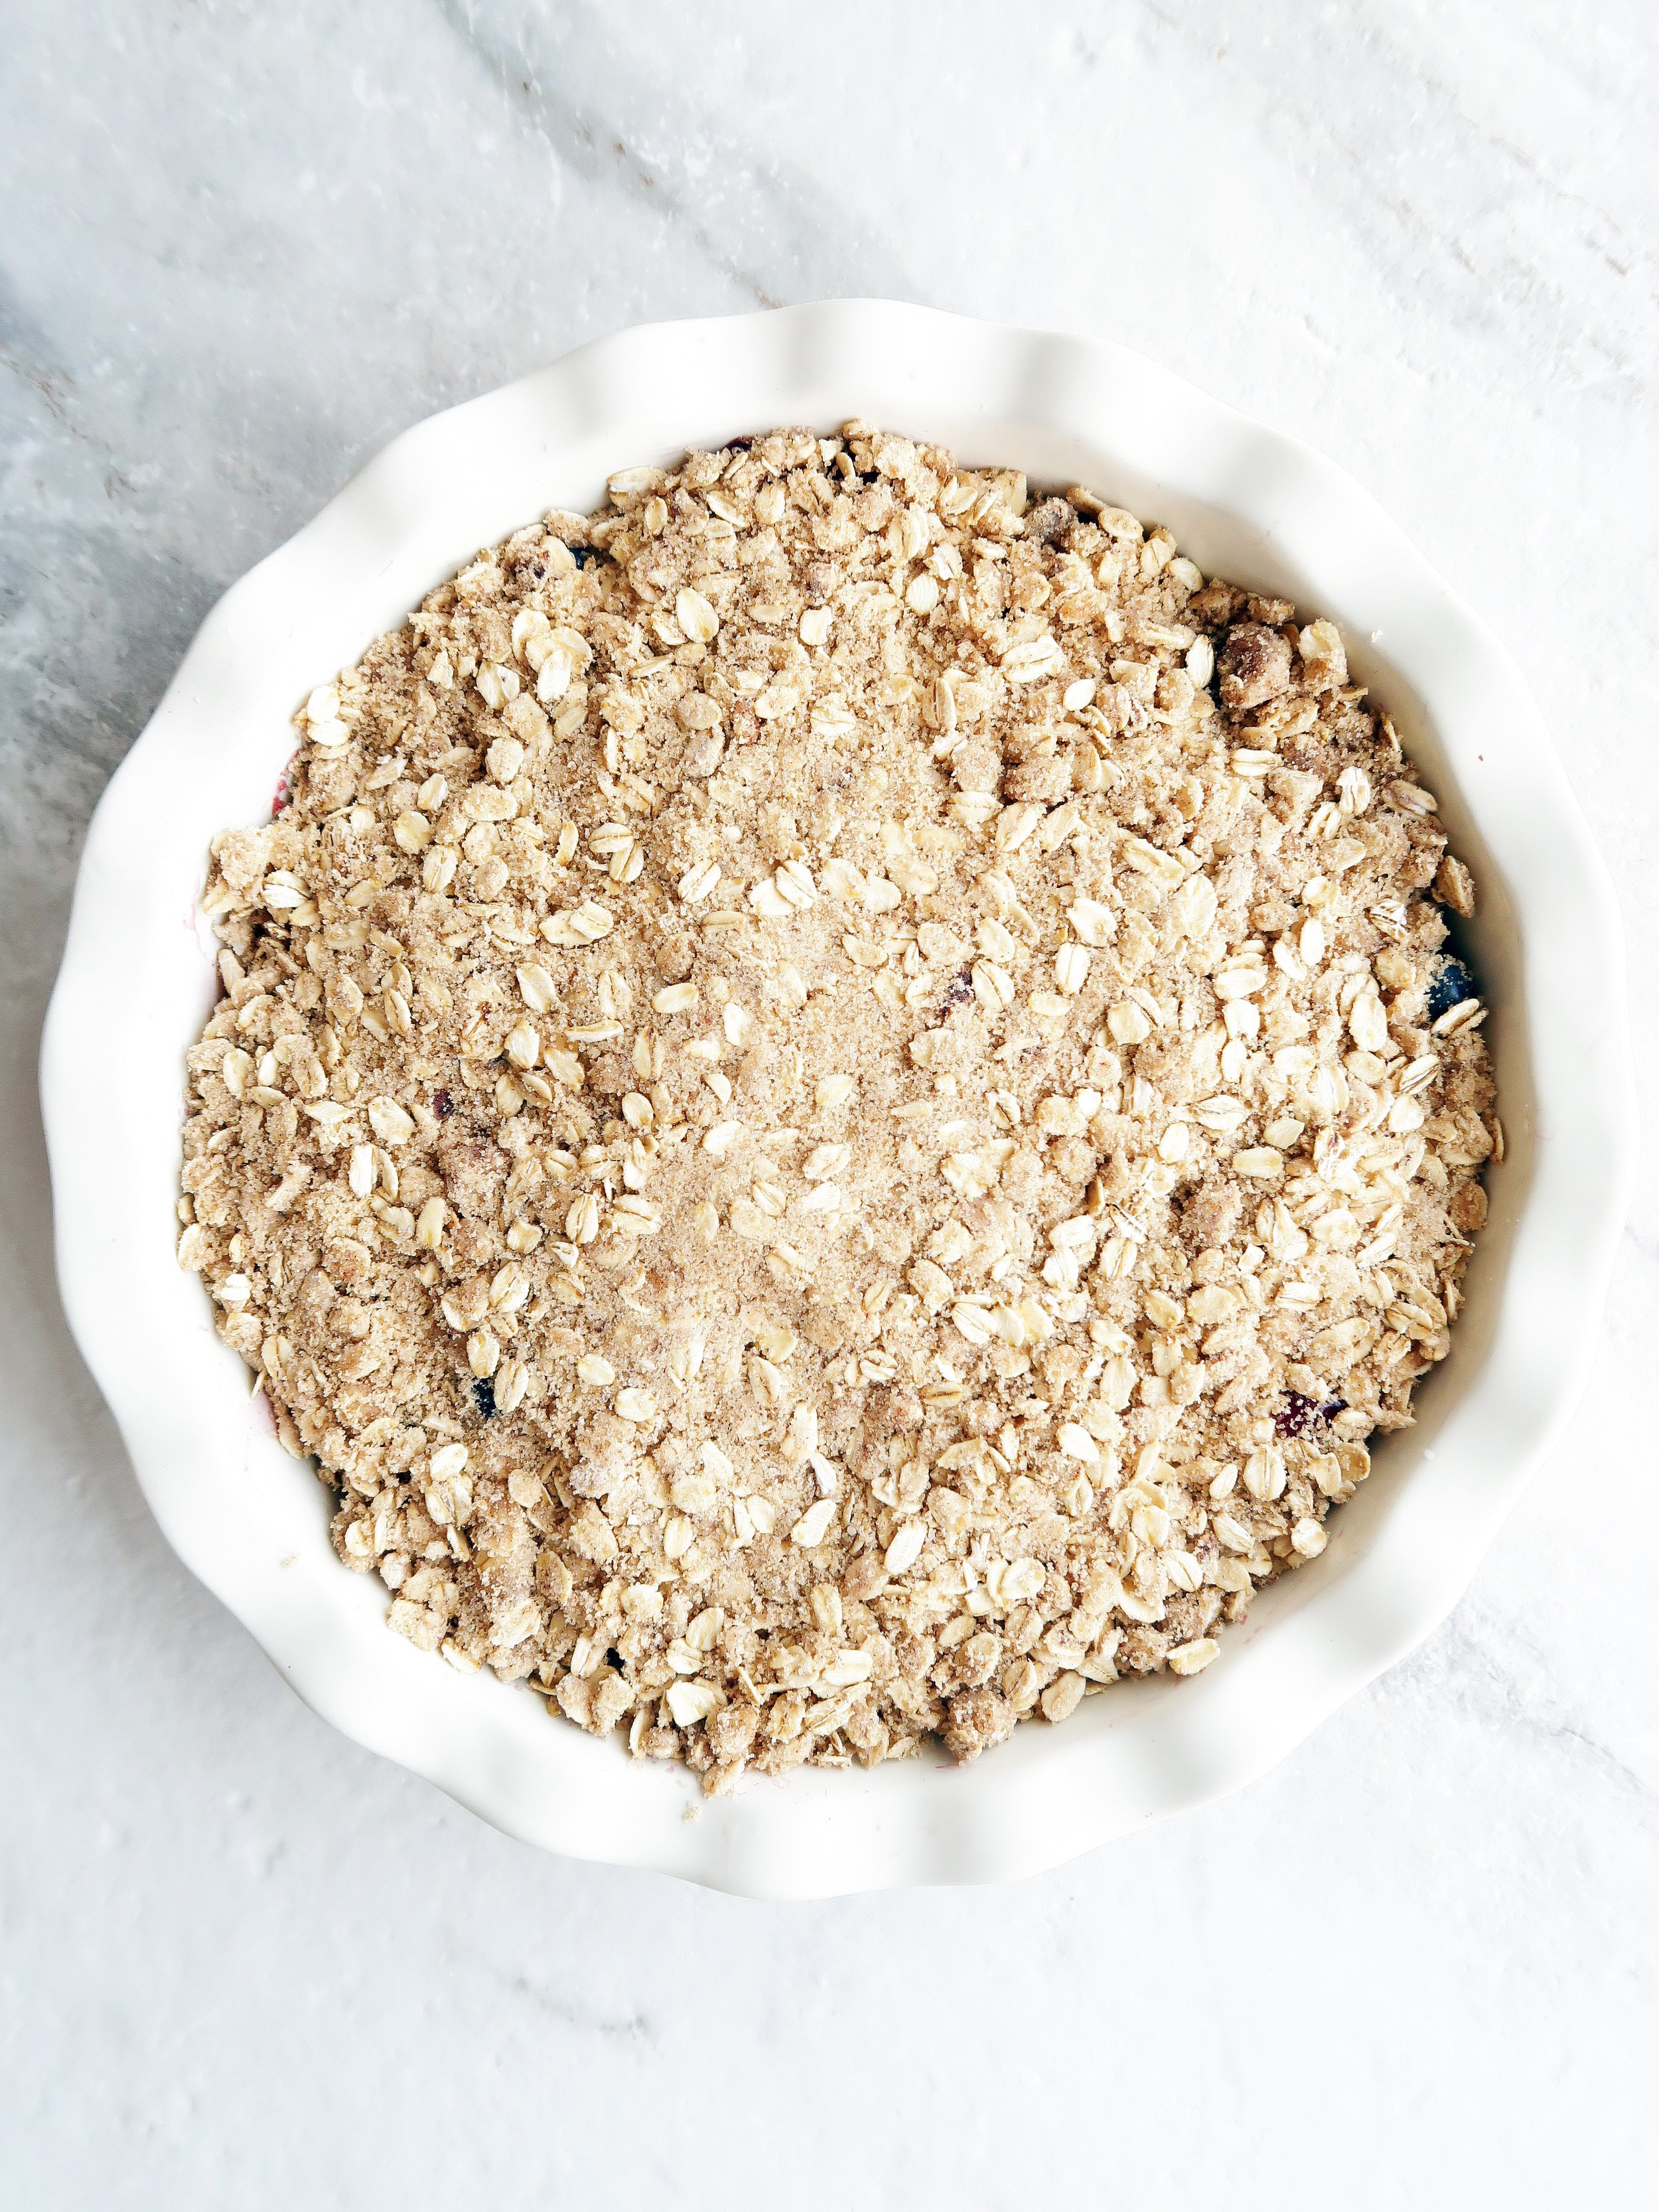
(241, 246)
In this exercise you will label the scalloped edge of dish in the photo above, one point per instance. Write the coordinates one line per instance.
(252, 1524)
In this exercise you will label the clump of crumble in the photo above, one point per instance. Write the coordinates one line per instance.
(837, 1104)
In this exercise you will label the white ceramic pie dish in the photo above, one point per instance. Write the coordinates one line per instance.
(138, 980)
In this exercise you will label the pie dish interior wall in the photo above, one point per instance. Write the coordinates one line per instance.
(137, 980)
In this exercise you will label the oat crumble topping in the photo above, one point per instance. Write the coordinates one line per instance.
(837, 1105)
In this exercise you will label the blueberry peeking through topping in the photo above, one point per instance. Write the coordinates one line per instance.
(1298, 1414)
(960, 994)
(483, 1393)
(443, 1105)
(1451, 984)
(584, 554)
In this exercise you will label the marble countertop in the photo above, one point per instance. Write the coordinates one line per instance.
(243, 1962)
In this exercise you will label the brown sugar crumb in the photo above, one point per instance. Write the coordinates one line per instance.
(838, 1104)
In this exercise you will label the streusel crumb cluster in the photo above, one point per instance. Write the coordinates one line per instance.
(838, 1103)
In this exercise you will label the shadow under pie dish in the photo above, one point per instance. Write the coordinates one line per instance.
(1050, 1439)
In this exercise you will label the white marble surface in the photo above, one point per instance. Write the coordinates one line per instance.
(244, 1962)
